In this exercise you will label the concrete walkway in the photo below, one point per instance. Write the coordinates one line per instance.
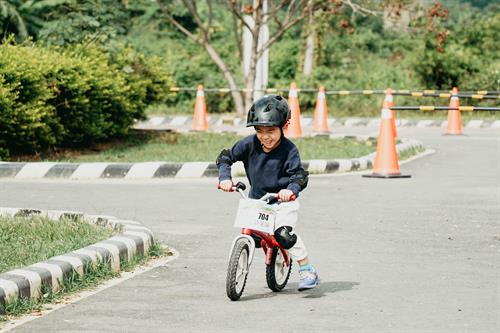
(398, 255)
(184, 123)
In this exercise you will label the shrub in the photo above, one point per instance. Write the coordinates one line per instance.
(27, 121)
(92, 98)
(73, 97)
(148, 78)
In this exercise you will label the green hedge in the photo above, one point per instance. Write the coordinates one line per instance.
(74, 97)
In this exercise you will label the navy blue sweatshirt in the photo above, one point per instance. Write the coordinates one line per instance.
(267, 172)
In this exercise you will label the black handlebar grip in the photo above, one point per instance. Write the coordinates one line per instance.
(240, 186)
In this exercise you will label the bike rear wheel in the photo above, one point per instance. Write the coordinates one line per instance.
(278, 271)
(237, 270)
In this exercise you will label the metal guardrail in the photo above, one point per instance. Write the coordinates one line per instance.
(480, 94)
(444, 108)
(447, 95)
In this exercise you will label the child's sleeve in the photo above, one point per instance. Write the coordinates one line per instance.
(227, 157)
(298, 176)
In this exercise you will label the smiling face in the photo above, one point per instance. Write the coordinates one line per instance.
(269, 137)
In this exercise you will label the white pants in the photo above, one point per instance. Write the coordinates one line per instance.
(288, 215)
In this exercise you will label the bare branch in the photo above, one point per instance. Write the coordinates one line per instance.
(358, 9)
(288, 12)
(237, 36)
(236, 12)
(280, 32)
(179, 26)
(210, 14)
(191, 6)
(275, 9)
(276, 20)
(292, 10)
(273, 13)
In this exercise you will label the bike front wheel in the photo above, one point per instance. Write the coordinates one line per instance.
(278, 271)
(237, 270)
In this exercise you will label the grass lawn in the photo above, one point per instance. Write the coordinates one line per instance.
(34, 239)
(173, 147)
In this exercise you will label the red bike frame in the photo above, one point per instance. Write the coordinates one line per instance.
(268, 242)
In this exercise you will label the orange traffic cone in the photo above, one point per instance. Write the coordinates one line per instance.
(294, 128)
(386, 159)
(200, 122)
(454, 117)
(388, 104)
(320, 121)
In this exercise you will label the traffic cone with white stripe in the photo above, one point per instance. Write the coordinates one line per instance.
(388, 104)
(386, 163)
(294, 128)
(200, 122)
(320, 121)
(454, 116)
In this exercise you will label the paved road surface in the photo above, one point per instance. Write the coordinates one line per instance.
(401, 255)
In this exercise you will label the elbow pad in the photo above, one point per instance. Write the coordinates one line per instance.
(224, 157)
(301, 178)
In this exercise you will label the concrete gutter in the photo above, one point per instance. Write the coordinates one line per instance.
(135, 240)
(151, 170)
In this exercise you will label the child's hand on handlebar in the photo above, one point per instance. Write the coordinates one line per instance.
(286, 195)
(226, 185)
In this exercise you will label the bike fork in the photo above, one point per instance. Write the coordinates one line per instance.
(268, 252)
(251, 247)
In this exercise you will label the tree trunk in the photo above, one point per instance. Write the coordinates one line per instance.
(249, 85)
(309, 54)
(250, 77)
(238, 101)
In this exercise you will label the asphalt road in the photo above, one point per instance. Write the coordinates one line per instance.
(399, 255)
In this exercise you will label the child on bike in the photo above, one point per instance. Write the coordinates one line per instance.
(272, 164)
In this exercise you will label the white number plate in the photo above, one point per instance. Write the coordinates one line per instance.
(256, 215)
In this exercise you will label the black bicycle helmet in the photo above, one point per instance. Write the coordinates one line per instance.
(269, 110)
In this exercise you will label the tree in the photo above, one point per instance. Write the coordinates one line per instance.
(283, 15)
(69, 21)
(280, 15)
(325, 10)
(63, 22)
(11, 21)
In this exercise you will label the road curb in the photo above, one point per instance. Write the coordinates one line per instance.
(135, 240)
(152, 170)
(73, 298)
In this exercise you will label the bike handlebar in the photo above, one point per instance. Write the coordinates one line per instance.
(240, 187)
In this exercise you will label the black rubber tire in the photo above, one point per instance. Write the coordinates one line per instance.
(234, 290)
(271, 273)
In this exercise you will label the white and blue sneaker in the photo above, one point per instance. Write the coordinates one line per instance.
(308, 279)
